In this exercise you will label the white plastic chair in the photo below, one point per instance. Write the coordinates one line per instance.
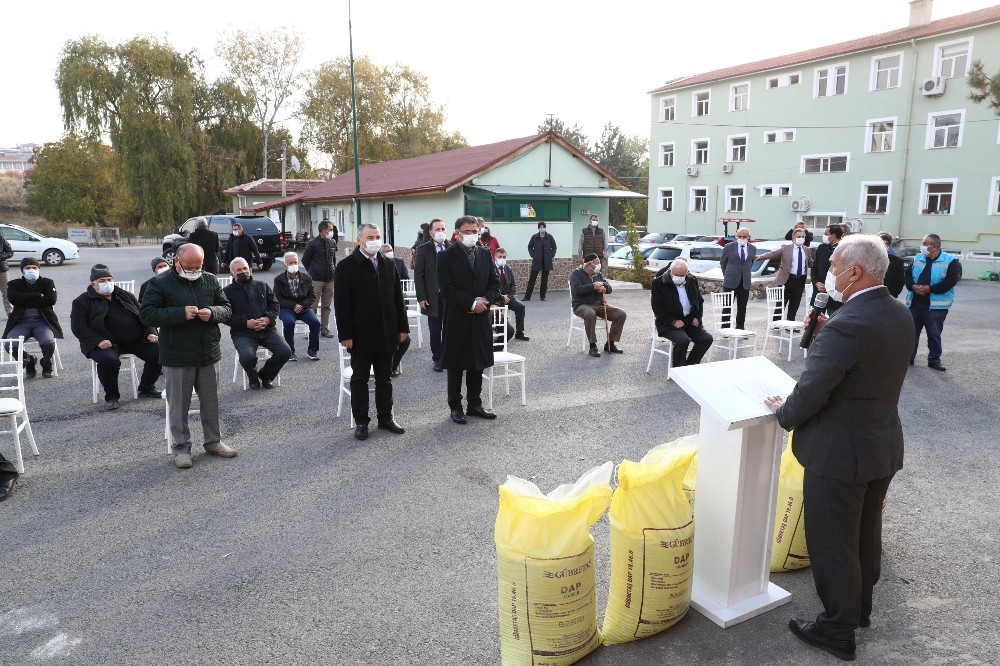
(224, 280)
(14, 408)
(413, 315)
(729, 339)
(409, 287)
(36, 348)
(575, 323)
(193, 410)
(660, 345)
(346, 372)
(127, 285)
(262, 355)
(784, 330)
(504, 359)
(128, 365)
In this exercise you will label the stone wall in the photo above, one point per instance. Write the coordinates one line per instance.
(558, 276)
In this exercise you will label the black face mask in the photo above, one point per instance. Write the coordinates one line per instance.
(486, 235)
(244, 278)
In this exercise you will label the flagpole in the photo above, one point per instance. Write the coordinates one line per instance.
(354, 117)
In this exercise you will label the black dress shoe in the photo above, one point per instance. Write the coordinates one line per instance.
(267, 383)
(458, 416)
(610, 348)
(6, 488)
(480, 412)
(391, 426)
(806, 632)
(593, 351)
(438, 368)
(150, 393)
(255, 384)
(542, 297)
(110, 404)
(395, 372)
(521, 336)
(936, 366)
(361, 431)
(865, 622)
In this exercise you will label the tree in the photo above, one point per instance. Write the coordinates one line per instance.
(985, 88)
(396, 118)
(628, 159)
(572, 134)
(76, 180)
(265, 68)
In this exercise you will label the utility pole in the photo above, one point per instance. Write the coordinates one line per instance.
(284, 175)
(354, 117)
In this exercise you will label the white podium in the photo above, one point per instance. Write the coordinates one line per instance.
(739, 457)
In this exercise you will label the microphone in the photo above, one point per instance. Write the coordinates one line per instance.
(819, 305)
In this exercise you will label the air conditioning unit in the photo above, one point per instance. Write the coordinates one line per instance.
(692, 171)
(933, 87)
(727, 168)
(800, 205)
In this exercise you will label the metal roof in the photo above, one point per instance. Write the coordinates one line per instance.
(581, 192)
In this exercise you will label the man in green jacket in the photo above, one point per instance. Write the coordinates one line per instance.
(187, 306)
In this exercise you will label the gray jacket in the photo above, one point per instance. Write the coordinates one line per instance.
(581, 286)
(736, 273)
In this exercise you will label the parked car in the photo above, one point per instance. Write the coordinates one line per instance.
(684, 238)
(28, 243)
(656, 238)
(614, 247)
(262, 229)
(620, 258)
(700, 256)
(761, 271)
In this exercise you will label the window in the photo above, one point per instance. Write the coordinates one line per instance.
(944, 130)
(699, 151)
(783, 80)
(825, 163)
(668, 109)
(937, 197)
(734, 199)
(831, 81)
(737, 148)
(951, 59)
(739, 97)
(667, 154)
(779, 136)
(699, 199)
(994, 196)
(788, 135)
(875, 198)
(665, 198)
(880, 135)
(775, 190)
(886, 71)
(770, 137)
(702, 101)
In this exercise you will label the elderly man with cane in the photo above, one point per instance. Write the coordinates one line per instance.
(588, 289)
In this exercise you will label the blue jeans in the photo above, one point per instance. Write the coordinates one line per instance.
(288, 319)
(933, 321)
(39, 330)
(246, 349)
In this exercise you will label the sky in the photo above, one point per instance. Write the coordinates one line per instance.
(497, 68)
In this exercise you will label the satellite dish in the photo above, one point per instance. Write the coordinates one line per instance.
(295, 163)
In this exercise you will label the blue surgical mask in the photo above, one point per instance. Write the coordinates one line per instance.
(541, 230)
(30, 274)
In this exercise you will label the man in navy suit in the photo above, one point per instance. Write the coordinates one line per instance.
(425, 282)
(404, 272)
(469, 285)
(737, 259)
(508, 293)
(677, 306)
(848, 436)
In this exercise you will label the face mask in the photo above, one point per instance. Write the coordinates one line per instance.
(594, 223)
(831, 285)
(486, 235)
(439, 237)
(800, 240)
(501, 262)
(596, 267)
(191, 275)
(742, 242)
(31, 274)
(244, 278)
(373, 246)
(469, 240)
(292, 268)
(237, 233)
(925, 250)
(826, 239)
(105, 288)
(678, 279)
(541, 230)
(161, 271)
(390, 255)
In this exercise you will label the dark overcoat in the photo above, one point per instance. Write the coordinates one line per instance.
(425, 277)
(209, 242)
(24, 295)
(468, 338)
(542, 250)
(370, 310)
(87, 314)
(666, 303)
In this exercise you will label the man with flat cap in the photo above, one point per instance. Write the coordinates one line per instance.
(33, 315)
(159, 266)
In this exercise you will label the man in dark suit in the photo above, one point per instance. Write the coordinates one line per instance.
(404, 273)
(821, 263)
(736, 262)
(796, 227)
(295, 294)
(508, 293)
(796, 260)
(678, 306)
(209, 242)
(241, 245)
(425, 282)
(894, 279)
(848, 436)
(542, 250)
(469, 285)
(371, 322)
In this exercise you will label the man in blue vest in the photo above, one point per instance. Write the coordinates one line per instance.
(931, 283)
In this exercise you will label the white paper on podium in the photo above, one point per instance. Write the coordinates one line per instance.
(733, 392)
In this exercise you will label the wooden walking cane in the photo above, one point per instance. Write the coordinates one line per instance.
(607, 326)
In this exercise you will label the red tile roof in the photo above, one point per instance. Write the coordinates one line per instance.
(273, 186)
(941, 26)
(429, 174)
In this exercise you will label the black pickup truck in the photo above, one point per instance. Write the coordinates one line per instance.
(262, 229)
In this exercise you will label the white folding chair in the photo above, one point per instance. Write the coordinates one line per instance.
(346, 372)
(409, 287)
(14, 407)
(784, 330)
(262, 355)
(224, 280)
(193, 410)
(128, 365)
(413, 315)
(660, 345)
(729, 339)
(36, 348)
(575, 323)
(127, 285)
(504, 359)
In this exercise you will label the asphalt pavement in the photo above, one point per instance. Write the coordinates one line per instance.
(313, 548)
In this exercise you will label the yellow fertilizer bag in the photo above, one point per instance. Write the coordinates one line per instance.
(546, 581)
(788, 549)
(652, 542)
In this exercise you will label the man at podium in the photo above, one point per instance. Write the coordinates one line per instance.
(848, 436)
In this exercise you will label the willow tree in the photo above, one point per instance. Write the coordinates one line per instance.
(396, 117)
(74, 180)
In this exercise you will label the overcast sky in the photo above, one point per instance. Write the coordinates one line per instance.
(498, 68)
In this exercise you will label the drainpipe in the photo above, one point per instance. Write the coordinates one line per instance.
(906, 144)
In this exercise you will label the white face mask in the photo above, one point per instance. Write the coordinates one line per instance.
(237, 233)
(826, 239)
(469, 240)
(594, 223)
(678, 279)
(292, 268)
(742, 242)
(799, 240)
(501, 262)
(191, 275)
(438, 236)
(596, 267)
(372, 247)
(30, 274)
(390, 255)
(925, 250)
(105, 288)
(161, 271)
(831, 285)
